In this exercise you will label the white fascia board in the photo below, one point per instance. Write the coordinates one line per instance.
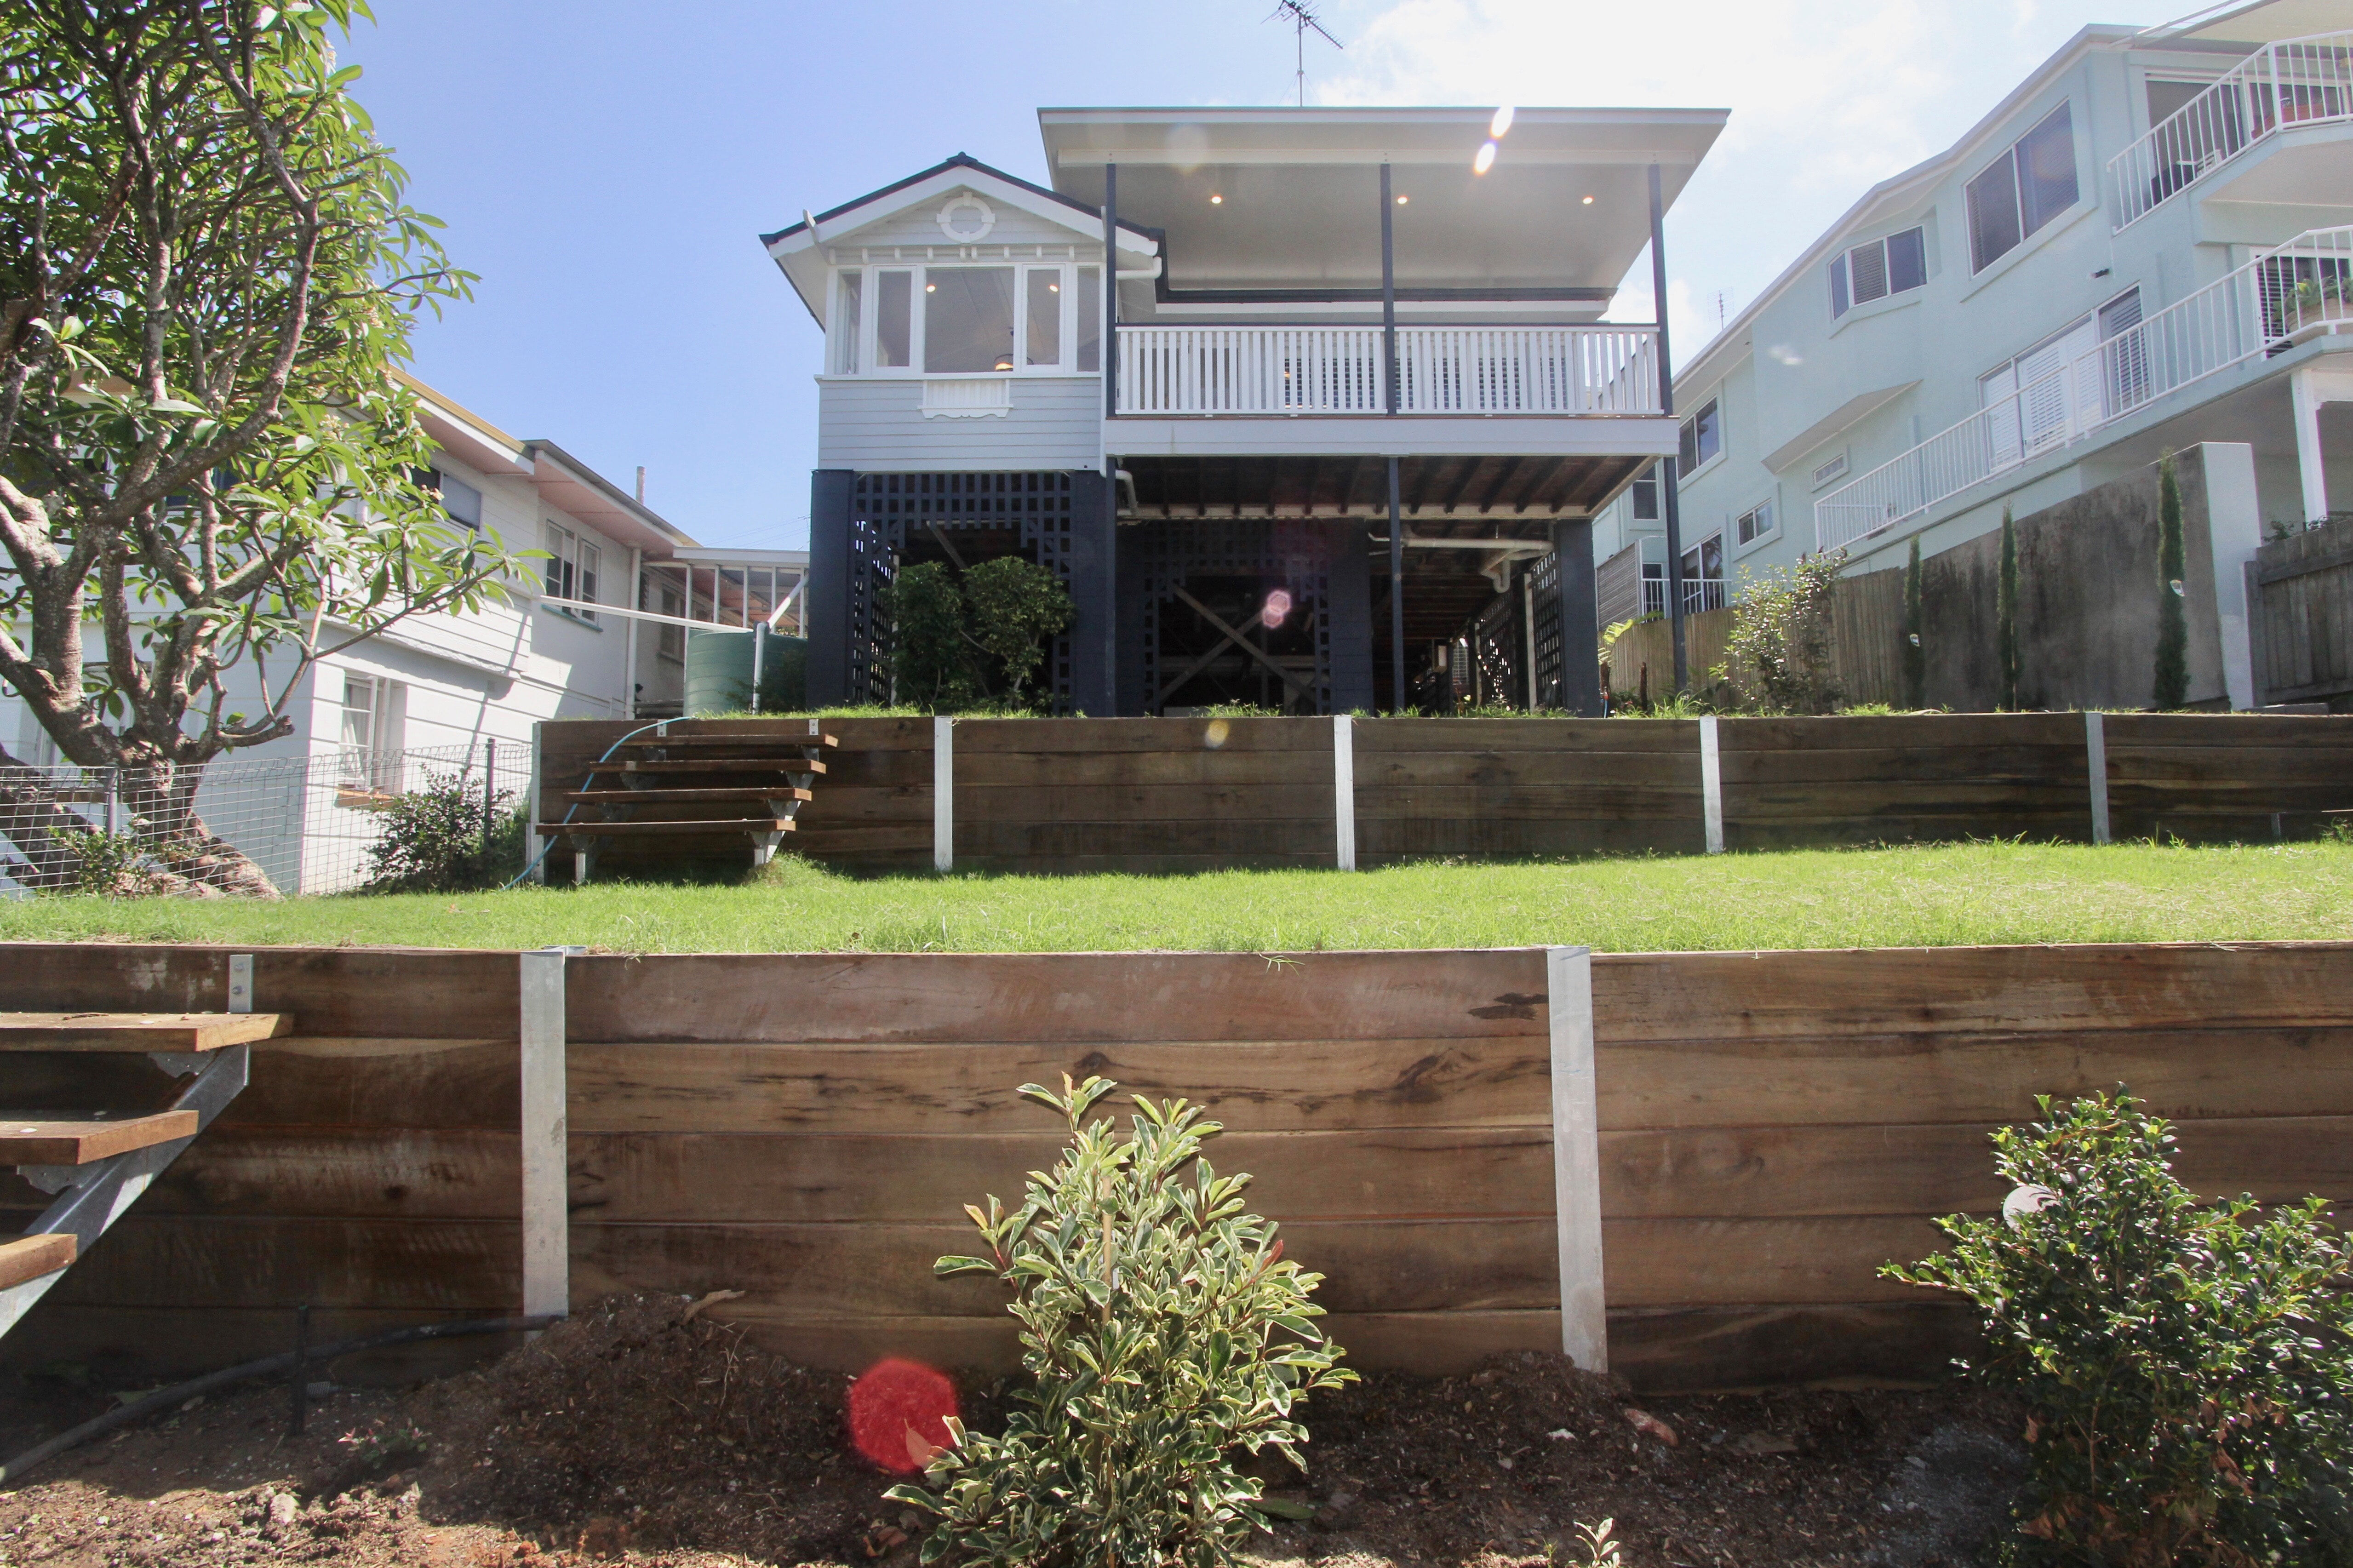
(800, 253)
(1388, 435)
(720, 555)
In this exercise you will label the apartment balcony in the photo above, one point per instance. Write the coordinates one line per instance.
(2279, 300)
(1298, 390)
(2263, 102)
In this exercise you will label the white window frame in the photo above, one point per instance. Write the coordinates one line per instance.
(372, 766)
(1713, 400)
(572, 569)
(858, 353)
(1842, 271)
(1772, 506)
(2018, 190)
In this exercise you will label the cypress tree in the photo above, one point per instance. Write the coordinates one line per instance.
(1915, 652)
(2005, 611)
(2172, 618)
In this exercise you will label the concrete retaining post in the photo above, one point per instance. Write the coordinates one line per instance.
(2095, 756)
(943, 793)
(547, 1227)
(1576, 1157)
(1344, 791)
(1711, 783)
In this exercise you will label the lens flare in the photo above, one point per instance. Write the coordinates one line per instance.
(1485, 160)
(1502, 123)
(899, 1414)
(1278, 604)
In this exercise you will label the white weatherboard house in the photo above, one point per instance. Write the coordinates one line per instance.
(596, 630)
(1349, 407)
(2144, 248)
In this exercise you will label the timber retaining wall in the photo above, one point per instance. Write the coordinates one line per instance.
(1187, 795)
(804, 1128)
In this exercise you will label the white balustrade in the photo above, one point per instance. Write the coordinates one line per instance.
(2280, 87)
(1337, 370)
(2277, 299)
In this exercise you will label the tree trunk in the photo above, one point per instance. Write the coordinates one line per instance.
(159, 801)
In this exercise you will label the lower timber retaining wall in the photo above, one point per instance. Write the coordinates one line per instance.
(804, 1128)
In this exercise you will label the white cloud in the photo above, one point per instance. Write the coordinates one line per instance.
(1826, 99)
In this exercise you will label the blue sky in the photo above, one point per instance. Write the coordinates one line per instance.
(606, 168)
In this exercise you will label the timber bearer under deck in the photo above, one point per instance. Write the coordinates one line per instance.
(1331, 439)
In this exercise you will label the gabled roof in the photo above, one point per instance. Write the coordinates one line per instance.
(795, 247)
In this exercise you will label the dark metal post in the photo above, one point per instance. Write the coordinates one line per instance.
(1111, 289)
(489, 798)
(828, 594)
(1669, 507)
(1396, 597)
(1388, 300)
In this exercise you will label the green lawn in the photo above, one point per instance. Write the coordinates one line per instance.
(1937, 896)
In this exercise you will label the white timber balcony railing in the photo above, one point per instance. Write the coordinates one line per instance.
(2282, 86)
(1586, 369)
(2282, 298)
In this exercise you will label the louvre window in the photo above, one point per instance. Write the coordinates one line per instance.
(2031, 183)
(1878, 268)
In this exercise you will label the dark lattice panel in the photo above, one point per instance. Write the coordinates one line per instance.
(883, 506)
(1299, 553)
(1545, 576)
(1498, 645)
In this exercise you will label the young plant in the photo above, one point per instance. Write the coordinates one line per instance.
(1915, 649)
(2005, 616)
(444, 837)
(2186, 1367)
(1162, 1329)
(1779, 653)
(1016, 606)
(2171, 688)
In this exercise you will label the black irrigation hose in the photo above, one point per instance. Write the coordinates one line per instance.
(283, 1361)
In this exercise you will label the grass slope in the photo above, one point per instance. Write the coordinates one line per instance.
(1926, 897)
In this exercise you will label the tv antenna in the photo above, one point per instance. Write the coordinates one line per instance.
(1301, 16)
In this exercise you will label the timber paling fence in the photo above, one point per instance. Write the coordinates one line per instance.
(1706, 1155)
(308, 821)
(1188, 794)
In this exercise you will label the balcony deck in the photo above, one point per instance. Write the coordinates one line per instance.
(2283, 86)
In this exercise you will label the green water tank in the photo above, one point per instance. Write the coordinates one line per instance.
(718, 671)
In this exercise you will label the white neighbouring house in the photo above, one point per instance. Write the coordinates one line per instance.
(2148, 246)
(596, 630)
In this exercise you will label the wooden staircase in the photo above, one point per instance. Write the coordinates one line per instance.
(692, 784)
(95, 1160)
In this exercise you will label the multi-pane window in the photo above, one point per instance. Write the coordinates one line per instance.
(571, 567)
(1703, 438)
(1756, 523)
(966, 319)
(1646, 498)
(374, 713)
(2031, 183)
(1877, 269)
(459, 501)
(1703, 576)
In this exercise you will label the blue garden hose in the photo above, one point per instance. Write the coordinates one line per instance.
(541, 857)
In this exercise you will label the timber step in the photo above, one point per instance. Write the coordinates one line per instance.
(714, 765)
(655, 795)
(137, 1032)
(737, 742)
(632, 829)
(39, 1140)
(30, 1257)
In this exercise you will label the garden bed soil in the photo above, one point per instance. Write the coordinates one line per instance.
(634, 1431)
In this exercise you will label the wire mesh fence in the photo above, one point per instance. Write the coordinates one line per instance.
(307, 824)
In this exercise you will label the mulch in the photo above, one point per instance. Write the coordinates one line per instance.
(636, 1431)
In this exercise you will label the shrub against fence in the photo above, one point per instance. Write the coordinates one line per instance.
(308, 821)
(1772, 1128)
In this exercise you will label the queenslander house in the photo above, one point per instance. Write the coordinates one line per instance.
(2145, 248)
(1311, 408)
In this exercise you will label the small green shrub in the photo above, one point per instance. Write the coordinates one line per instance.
(2186, 1366)
(2170, 690)
(1779, 655)
(962, 644)
(1162, 1329)
(432, 840)
(1016, 606)
(929, 662)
